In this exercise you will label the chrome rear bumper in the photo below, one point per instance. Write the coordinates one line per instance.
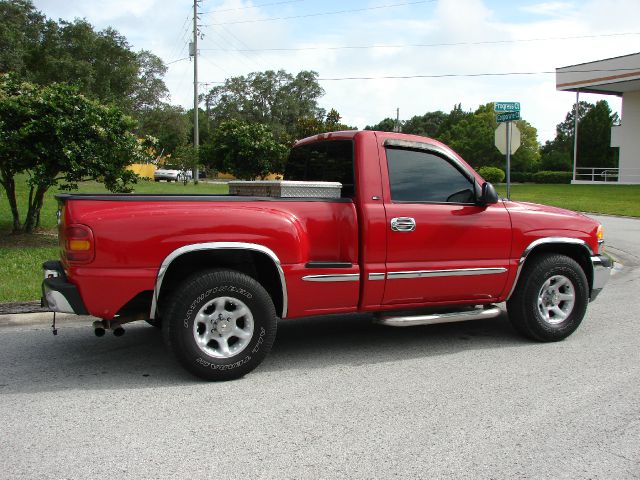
(58, 295)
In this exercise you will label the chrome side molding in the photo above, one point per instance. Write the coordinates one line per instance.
(345, 277)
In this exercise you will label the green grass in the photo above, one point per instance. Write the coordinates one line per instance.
(607, 199)
(48, 215)
(21, 256)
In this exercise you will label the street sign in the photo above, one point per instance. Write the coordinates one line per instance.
(506, 107)
(501, 138)
(507, 117)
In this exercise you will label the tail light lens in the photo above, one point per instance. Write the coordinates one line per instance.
(78, 243)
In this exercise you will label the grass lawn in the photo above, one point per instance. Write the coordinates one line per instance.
(21, 256)
(607, 199)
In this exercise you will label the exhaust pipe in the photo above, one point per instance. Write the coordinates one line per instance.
(98, 328)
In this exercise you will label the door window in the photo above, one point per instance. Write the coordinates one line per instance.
(423, 177)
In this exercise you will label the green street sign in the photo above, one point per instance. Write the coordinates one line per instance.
(506, 107)
(507, 117)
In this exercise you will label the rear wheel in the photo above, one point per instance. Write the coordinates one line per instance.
(220, 324)
(550, 299)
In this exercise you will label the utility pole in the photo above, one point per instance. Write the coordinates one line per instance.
(397, 126)
(575, 134)
(194, 53)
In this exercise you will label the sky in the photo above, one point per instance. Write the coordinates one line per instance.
(458, 37)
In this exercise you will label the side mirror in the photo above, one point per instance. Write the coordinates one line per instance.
(488, 195)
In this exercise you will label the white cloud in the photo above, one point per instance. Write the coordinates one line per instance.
(549, 8)
(163, 26)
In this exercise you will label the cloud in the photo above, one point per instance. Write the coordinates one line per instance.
(549, 8)
(164, 27)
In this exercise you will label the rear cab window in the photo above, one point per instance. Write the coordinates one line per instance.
(324, 161)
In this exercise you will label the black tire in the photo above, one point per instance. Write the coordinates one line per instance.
(229, 293)
(534, 298)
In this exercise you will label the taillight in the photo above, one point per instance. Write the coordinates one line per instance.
(79, 246)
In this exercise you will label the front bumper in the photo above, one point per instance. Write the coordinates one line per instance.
(602, 266)
(58, 295)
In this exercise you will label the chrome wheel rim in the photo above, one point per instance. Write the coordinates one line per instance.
(223, 327)
(556, 299)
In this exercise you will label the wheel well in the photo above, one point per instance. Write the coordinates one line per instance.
(576, 252)
(257, 265)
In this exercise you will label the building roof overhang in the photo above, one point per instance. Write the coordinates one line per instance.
(612, 76)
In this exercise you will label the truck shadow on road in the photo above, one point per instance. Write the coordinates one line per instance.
(33, 360)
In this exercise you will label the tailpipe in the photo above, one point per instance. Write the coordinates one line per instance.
(99, 328)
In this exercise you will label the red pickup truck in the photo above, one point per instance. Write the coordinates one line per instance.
(415, 237)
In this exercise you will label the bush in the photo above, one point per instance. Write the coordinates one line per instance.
(492, 174)
(521, 177)
(552, 177)
(556, 161)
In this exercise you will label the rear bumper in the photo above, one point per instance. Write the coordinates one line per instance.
(602, 266)
(58, 295)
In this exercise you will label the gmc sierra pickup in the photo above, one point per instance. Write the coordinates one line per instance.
(414, 236)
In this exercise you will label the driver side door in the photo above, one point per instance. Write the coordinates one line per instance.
(442, 246)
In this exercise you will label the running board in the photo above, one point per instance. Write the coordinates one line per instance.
(431, 319)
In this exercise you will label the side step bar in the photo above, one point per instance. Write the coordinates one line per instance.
(433, 318)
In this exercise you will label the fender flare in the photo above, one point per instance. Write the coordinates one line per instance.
(546, 241)
(196, 247)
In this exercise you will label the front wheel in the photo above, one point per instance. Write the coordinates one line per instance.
(221, 324)
(550, 299)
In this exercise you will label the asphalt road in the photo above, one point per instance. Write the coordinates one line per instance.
(336, 398)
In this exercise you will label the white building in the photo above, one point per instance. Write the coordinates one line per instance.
(614, 76)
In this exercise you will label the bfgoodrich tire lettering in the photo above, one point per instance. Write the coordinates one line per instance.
(550, 299)
(220, 324)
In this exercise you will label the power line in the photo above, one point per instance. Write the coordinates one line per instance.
(252, 6)
(338, 12)
(178, 60)
(486, 74)
(462, 75)
(422, 45)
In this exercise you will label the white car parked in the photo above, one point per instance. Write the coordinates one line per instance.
(171, 174)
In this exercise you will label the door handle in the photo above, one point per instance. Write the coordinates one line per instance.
(403, 224)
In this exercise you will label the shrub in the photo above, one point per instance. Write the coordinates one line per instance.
(492, 174)
(552, 177)
(522, 177)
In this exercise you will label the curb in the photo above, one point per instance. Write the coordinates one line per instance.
(42, 319)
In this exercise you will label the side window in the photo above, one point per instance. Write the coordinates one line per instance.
(325, 161)
(417, 176)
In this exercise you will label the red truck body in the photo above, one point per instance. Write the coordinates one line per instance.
(317, 256)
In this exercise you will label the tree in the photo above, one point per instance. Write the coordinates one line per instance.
(100, 63)
(244, 150)
(594, 138)
(386, 125)
(308, 126)
(187, 158)
(427, 125)
(58, 136)
(276, 99)
(21, 27)
(168, 124)
(150, 89)
(473, 137)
